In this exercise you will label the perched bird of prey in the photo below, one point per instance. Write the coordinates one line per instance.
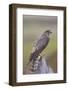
(40, 45)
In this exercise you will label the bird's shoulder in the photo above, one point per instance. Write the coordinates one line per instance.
(43, 38)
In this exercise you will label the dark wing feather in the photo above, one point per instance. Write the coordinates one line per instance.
(40, 45)
(42, 42)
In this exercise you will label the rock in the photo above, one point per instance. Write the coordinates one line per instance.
(39, 67)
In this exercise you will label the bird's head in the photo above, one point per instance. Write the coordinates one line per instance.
(48, 33)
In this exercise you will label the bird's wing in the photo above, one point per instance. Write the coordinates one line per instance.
(43, 41)
(39, 46)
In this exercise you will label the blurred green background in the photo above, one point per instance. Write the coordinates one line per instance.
(33, 26)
